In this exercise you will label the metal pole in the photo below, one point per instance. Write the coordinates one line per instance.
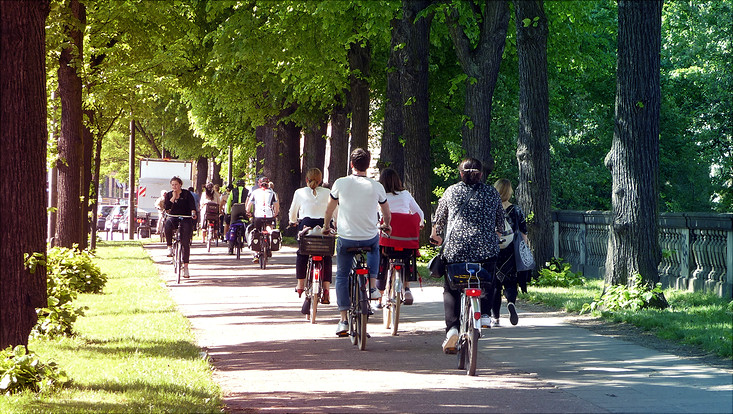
(132, 213)
(230, 165)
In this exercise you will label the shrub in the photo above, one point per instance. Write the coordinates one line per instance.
(59, 316)
(622, 297)
(427, 252)
(77, 266)
(557, 273)
(21, 370)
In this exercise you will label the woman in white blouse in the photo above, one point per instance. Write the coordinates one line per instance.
(308, 210)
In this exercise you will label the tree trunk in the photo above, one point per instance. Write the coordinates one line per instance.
(282, 163)
(392, 153)
(415, 106)
(338, 165)
(86, 181)
(68, 231)
(216, 174)
(481, 64)
(95, 192)
(633, 160)
(533, 138)
(22, 165)
(314, 146)
(202, 173)
(265, 134)
(359, 56)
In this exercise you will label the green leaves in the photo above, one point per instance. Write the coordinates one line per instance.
(616, 298)
(533, 22)
(21, 370)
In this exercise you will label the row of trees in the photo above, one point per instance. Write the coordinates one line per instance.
(428, 82)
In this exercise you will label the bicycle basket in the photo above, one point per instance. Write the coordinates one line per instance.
(317, 245)
(458, 274)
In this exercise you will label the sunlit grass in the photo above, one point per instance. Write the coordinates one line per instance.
(697, 319)
(134, 352)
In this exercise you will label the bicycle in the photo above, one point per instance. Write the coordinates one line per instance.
(211, 234)
(466, 277)
(315, 247)
(395, 288)
(177, 247)
(263, 247)
(359, 310)
(238, 220)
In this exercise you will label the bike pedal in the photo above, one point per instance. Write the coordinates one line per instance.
(343, 334)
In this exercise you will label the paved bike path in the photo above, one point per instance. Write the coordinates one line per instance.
(268, 358)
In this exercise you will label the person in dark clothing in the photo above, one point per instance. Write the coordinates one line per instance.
(506, 271)
(468, 220)
(180, 202)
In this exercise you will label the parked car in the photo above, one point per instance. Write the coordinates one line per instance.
(114, 218)
(102, 213)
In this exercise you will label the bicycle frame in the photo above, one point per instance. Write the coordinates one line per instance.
(472, 294)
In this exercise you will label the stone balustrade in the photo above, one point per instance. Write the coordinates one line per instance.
(698, 247)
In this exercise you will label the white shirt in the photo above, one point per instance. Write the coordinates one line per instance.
(305, 204)
(263, 200)
(358, 198)
(404, 203)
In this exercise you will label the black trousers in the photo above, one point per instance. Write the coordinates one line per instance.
(171, 224)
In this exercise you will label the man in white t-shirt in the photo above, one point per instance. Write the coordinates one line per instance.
(357, 197)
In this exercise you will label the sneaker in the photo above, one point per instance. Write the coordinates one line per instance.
(374, 294)
(185, 273)
(170, 252)
(379, 304)
(256, 260)
(342, 328)
(451, 339)
(494, 322)
(231, 251)
(513, 317)
(325, 299)
(485, 321)
(408, 298)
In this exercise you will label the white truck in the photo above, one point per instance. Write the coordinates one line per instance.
(155, 176)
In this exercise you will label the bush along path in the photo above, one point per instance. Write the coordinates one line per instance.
(268, 357)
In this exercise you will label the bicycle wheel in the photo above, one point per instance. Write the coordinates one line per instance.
(363, 315)
(209, 236)
(353, 312)
(396, 296)
(264, 245)
(472, 350)
(314, 277)
(178, 254)
(387, 302)
(238, 243)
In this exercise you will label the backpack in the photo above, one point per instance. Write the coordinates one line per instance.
(508, 235)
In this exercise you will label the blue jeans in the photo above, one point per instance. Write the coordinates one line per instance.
(344, 260)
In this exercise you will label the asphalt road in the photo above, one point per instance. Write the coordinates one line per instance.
(268, 357)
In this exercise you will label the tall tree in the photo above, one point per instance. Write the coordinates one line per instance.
(314, 145)
(22, 165)
(478, 31)
(633, 160)
(533, 138)
(415, 104)
(338, 164)
(392, 152)
(360, 54)
(69, 226)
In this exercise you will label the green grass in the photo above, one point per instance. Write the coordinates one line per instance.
(701, 320)
(133, 352)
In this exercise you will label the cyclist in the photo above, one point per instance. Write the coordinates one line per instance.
(237, 195)
(210, 195)
(469, 215)
(180, 202)
(266, 206)
(357, 197)
(307, 210)
(407, 221)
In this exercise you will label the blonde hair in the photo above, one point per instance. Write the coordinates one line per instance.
(313, 178)
(504, 187)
